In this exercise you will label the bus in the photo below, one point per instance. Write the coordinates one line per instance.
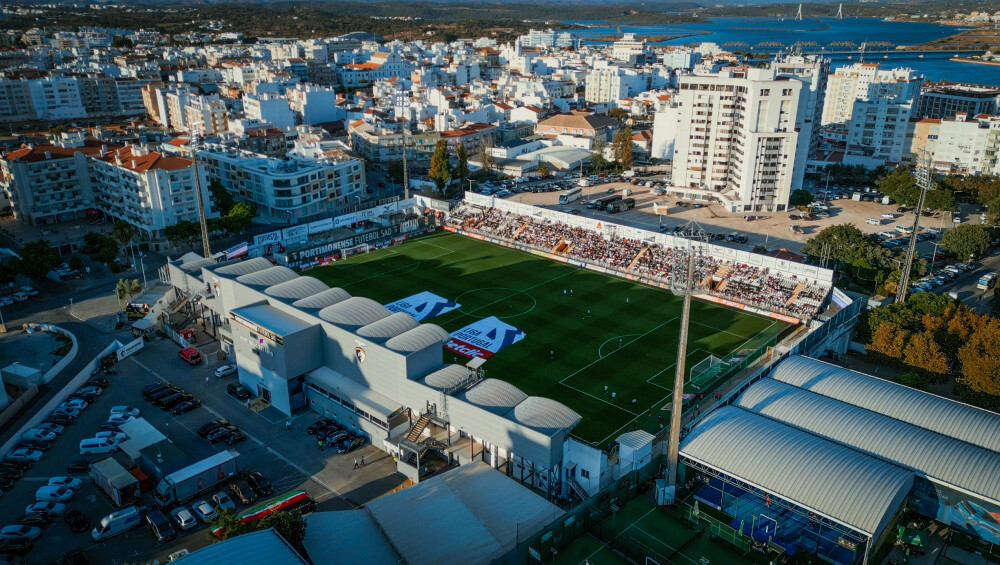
(295, 500)
(620, 205)
(602, 203)
(570, 195)
(987, 281)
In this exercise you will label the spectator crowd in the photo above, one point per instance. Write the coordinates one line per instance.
(754, 286)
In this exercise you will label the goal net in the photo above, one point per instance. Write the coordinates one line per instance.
(357, 249)
(704, 372)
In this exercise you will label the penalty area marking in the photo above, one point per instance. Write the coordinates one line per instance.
(600, 350)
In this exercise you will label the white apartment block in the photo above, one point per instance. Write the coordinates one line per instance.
(47, 184)
(876, 134)
(206, 115)
(315, 104)
(56, 98)
(813, 73)
(288, 191)
(863, 82)
(381, 146)
(944, 99)
(15, 101)
(629, 49)
(605, 86)
(736, 139)
(149, 190)
(381, 65)
(961, 145)
(548, 38)
(270, 108)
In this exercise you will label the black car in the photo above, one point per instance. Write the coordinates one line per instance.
(259, 483)
(15, 464)
(153, 388)
(98, 382)
(160, 526)
(235, 437)
(318, 425)
(78, 466)
(350, 443)
(90, 397)
(9, 473)
(211, 427)
(242, 491)
(6, 484)
(108, 427)
(38, 444)
(329, 429)
(163, 393)
(76, 521)
(17, 546)
(61, 419)
(221, 432)
(335, 436)
(185, 407)
(168, 403)
(239, 391)
(36, 519)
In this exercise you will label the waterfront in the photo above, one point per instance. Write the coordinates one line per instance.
(752, 33)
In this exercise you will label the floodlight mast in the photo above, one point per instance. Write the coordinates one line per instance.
(686, 290)
(195, 142)
(925, 182)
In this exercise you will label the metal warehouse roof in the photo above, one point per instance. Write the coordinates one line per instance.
(418, 339)
(197, 264)
(480, 513)
(268, 277)
(492, 394)
(265, 547)
(929, 453)
(328, 297)
(544, 414)
(327, 531)
(245, 267)
(446, 377)
(967, 423)
(302, 287)
(848, 486)
(388, 327)
(354, 312)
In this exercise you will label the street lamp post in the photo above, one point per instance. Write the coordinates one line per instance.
(143, 268)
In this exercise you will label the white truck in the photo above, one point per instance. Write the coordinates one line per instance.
(185, 484)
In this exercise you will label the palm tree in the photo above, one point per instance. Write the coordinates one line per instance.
(124, 232)
(126, 290)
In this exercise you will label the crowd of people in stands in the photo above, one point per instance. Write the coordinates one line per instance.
(755, 286)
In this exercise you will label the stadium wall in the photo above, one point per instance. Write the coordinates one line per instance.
(812, 273)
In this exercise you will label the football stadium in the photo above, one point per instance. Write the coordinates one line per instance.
(602, 345)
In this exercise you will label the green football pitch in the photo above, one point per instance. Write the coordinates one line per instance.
(628, 343)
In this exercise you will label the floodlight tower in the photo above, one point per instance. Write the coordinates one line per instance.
(925, 182)
(202, 221)
(684, 287)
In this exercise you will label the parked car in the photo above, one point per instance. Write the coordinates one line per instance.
(98, 446)
(49, 427)
(126, 410)
(259, 483)
(241, 490)
(183, 518)
(58, 418)
(239, 391)
(111, 435)
(20, 531)
(167, 404)
(78, 466)
(26, 455)
(9, 473)
(350, 443)
(54, 508)
(321, 425)
(15, 546)
(160, 526)
(211, 427)
(204, 511)
(37, 434)
(223, 502)
(220, 433)
(153, 388)
(185, 407)
(120, 419)
(76, 521)
(68, 482)
(70, 410)
(99, 382)
(335, 436)
(34, 444)
(235, 437)
(225, 371)
(35, 519)
(15, 464)
(107, 427)
(54, 494)
(88, 393)
(6, 484)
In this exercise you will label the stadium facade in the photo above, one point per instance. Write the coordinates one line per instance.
(299, 344)
(809, 456)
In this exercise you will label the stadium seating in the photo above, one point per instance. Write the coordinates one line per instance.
(755, 286)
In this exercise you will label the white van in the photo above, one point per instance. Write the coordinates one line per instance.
(117, 522)
(98, 446)
(874, 221)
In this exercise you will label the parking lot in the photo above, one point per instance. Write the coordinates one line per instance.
(289, 459)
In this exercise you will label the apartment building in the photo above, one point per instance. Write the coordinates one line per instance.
(854, 85)
(206, 115)
(271, 108)
(47, 184)
(577, 123)
(736, 138)
(15, 101)
(472, 136)
(381, 65)
(149, 189)
(290, 191)
(605, 86)
(314, 104)
(813, 72)
(944, 99)
(629, 49)
(961, 144)
(381, 145)
(549, 38)
(56, 98)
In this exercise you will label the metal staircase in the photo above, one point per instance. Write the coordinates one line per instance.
(577, 488)
(418, 428)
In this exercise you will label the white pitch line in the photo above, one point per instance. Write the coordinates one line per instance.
(602, 400)
(599, 359)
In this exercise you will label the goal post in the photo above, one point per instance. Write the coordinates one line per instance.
(356, 250)
(704, 372)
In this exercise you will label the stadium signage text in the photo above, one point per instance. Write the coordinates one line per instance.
(327, 248)
(484, 337)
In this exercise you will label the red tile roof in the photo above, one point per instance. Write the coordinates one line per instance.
(149, 161)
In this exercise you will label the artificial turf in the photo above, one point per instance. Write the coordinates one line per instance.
(627, 343)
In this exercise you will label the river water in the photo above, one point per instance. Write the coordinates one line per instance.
(747, 33)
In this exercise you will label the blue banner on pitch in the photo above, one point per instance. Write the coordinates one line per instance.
(484, 338)
(423, 305)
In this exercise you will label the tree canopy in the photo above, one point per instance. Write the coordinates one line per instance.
(966, 241)
(901, 186)
(440, 171)
(37, 259)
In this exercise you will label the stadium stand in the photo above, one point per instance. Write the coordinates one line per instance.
(755, 286)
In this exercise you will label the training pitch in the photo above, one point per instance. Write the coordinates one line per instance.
(628, 343)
